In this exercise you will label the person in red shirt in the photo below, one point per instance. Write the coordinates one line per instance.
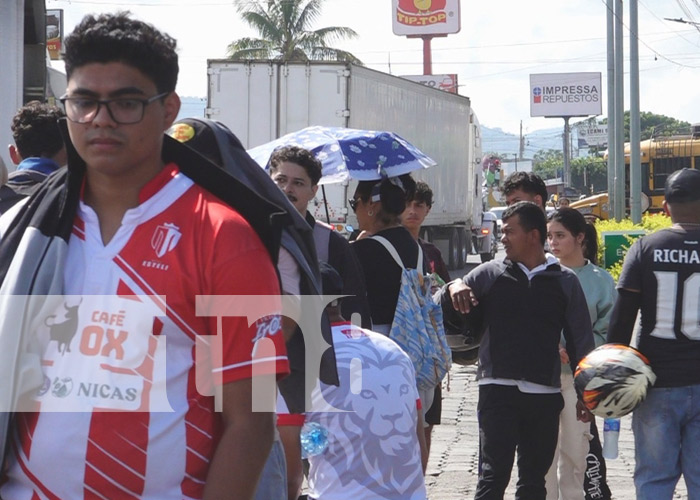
(128, 407)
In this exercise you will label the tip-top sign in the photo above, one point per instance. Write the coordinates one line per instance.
(448, 83)
(565, 94)
(425, 17)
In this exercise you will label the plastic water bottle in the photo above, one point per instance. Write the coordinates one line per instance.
(611, 433)
(314, 439)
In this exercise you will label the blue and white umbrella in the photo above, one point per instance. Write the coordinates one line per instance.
(351, 153)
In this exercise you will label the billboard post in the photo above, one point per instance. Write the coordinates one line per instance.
(426, 19)
(563, 95)
(566, 174)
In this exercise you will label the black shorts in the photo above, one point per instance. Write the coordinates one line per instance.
(434, 413)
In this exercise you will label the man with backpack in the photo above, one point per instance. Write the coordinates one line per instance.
(37, 152)
(522, 305)
(298, 272)
(296, 171)
(138, 231)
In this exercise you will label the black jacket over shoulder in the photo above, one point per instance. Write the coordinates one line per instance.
(522, 321)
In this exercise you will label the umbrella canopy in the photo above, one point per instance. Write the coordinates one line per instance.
(351, 153)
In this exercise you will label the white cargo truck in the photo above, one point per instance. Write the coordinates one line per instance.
(262, 101)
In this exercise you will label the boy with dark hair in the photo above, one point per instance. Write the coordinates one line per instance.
(38, 150)
(525, 186)
(299, 156)
(296, 171)
(141, 233)
(110, 38)
(418, 205)
(36, 133)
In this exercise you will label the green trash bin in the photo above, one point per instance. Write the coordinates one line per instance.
(616, 243)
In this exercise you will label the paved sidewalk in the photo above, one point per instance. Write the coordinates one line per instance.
(452, 470)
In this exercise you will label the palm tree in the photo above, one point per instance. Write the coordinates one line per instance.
(286, 35)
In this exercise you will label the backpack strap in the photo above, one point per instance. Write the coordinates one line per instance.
(322, 240)
(392, 251)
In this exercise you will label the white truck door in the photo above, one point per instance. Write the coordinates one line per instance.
(313, 94)
(244, 98)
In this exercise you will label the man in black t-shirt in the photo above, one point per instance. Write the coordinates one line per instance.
(661, 276)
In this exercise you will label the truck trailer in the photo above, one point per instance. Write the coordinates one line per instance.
(264, 100)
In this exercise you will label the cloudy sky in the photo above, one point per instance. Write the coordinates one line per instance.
(500, 44)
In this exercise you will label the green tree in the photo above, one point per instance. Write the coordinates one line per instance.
(650, 123)
(548, 163)
(589, 174)
(286, 34)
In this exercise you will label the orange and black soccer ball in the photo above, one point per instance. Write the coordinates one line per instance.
(613, 379)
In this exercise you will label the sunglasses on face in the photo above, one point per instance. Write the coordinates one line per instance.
(353, 203)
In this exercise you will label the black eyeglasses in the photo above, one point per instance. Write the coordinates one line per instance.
(123, 110)
(353, 203)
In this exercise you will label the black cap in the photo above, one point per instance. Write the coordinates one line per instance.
(683, 186)
(331, 281)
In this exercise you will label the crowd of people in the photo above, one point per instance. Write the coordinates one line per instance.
(176, 324)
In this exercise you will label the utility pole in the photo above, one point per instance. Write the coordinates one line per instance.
(635, 132)
(611, 105)
(619, 115)
(566, 177)
(521, 150)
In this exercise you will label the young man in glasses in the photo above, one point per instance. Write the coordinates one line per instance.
(126, 411)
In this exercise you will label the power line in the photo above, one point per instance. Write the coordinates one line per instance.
(684, 8)
(687, 12)
(678, 33)
(158, 3)
(657, 53)
(496, 46)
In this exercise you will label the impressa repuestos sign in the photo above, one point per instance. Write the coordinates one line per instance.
(565, 94)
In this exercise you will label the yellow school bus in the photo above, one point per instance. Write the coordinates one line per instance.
(660, 157)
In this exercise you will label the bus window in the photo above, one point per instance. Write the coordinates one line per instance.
(646, 178)
(663, 167)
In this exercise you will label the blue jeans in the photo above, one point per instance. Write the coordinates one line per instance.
(272, 484)
(667, 442)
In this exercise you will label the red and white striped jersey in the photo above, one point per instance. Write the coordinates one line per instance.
(125, 412)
